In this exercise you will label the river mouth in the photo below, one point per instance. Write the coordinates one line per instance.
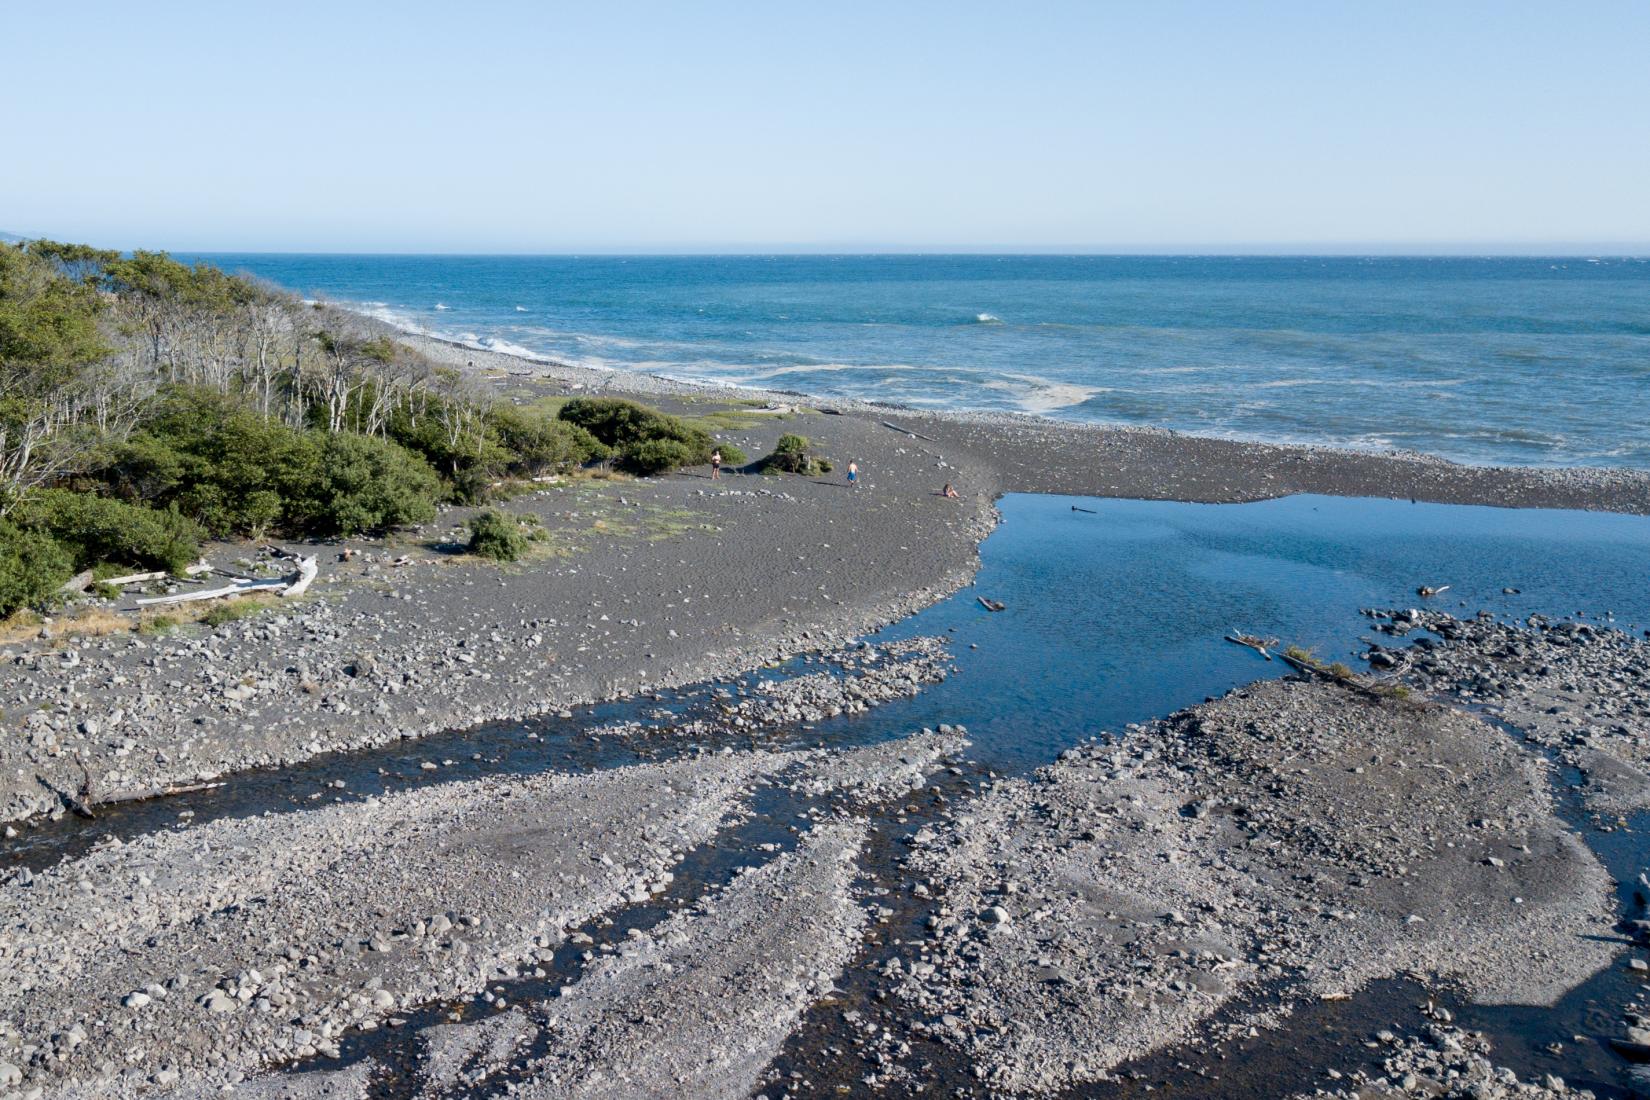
(1114, 612)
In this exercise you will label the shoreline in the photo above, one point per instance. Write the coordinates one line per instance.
(654, 382)
(898, 901)
(1005, 436)
(106, 711)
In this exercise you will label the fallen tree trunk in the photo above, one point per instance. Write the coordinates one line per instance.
(295, 584)
(238, 588)
(158, 575)
(307, 570)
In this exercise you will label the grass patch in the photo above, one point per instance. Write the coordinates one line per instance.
(549, 405)
(19, 626)
(156, 626)
(234, 609)
(96, 622)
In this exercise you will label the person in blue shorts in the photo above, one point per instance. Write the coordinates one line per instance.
(853, 474)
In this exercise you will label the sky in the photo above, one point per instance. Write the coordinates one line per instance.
(774, 126)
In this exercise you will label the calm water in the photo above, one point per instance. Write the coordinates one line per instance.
(1118, 616)
(1533, 361)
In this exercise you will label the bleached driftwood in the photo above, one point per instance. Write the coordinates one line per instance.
(158, 575)
(245, 584)
(77, 583)
(1259, 645)
(141, 794)
(307, 569)
(292, 585)
(908, 431)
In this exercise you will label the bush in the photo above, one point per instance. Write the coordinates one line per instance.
(101, 529)
(509, 442)
(656, 456)
(226, 467)
(32, 568)
(497, 535)
(731, 455)
(538, 444)
(792, 455)
(366, 484)
(645, 441)
(236, 473)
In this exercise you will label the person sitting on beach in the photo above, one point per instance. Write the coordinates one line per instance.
(715, 464)
(949, 493)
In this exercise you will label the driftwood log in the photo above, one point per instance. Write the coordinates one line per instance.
(158, 575)
(908, 431)
(292, 585)
(1259, 645)
(307, 569)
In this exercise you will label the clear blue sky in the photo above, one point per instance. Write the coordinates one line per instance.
(572, 127)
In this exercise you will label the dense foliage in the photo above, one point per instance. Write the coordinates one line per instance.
(145, 403)
(644, 440)
(32, 567)
(95, 529)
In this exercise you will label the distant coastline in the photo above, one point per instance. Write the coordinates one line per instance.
(1487, 361)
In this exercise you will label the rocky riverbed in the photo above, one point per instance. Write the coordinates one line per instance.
(731, 913)
(204, 954)
(1578, 687)
(1301, 838)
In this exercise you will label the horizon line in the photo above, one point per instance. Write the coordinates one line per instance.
(1508, 249)
(1553, 250)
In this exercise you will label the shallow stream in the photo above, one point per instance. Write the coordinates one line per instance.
(1114, 612)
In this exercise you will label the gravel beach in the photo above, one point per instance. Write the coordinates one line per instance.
(670, 928)
(657, 582)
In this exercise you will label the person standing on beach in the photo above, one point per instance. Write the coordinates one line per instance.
(716, 464)
(853, 473)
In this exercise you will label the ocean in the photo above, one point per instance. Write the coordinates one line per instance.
(1484, 360)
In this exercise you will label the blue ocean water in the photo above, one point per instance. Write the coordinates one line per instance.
(1488, 360)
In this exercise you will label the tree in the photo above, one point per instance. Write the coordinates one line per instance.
(49, 337)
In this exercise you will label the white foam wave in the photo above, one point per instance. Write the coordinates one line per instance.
(442, 306)
(381, 312)
(521, 309)
(987, 319)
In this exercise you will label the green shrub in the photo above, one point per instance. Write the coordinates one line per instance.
(538, 444)
(656, 456)
(236, 473)
(223, 465)
(731, 455)
(644, 440)
(497, 535)
(365, 484)
(99, 529)
(617, 422)
(792, 454)
(32, 567)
